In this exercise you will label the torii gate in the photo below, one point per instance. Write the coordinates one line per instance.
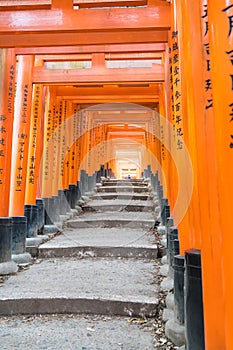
(196, 99)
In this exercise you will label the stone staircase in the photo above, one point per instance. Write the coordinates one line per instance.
(102, 263)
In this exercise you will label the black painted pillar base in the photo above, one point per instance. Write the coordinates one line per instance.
(179, 289)
(171, 236)
(72, 189)
(40, 205)
(62, 202)
(77, 192)
(19, 233)
(47, 212)
(56, 209)
(31, 213)
(67, 201)
(194, 323)
(7, 266)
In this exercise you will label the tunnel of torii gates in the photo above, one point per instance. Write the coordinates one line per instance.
(170, 120)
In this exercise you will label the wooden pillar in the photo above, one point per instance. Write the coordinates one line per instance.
(180, 145)
(200, 128)
(35, 139)
(47, 171)
(67, 136)
(73, 156)
(7, 91)
(41, 148)
(21, 134)
(220, 14)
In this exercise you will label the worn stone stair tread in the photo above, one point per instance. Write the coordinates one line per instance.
(124, 183)
(122, 196)
(99, 286)
(114, 215)
(132, 189)
(118, 205)
(104, 242)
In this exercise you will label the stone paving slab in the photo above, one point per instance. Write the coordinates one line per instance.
(94, 286)
(101, 242)
(136, 189)
(76, 332)
(124, 183)
(113, 219)
(118, 205)
(122, 195)
(105, 237)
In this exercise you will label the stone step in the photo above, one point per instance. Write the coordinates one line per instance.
(122, 196)
(102, 242)
(120, 189)
(113, 219)
(118, 205)
(93, 286)
(125, 183)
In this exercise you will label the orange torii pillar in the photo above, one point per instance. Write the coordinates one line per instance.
(69, 178)
(64, 166)
(54, 201)
(220, 18)
(7, 90)
(84, 152)
(77, 115)
(39, 199)
(58, 192)
(186, 211)
(48, 176)
(21, 133)
(200, 113)
(74, 159)
(34, 165)
(90, 157)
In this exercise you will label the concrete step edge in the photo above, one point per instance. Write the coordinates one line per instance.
(63, 305)
(100, 252)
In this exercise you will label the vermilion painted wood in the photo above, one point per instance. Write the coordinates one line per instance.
(220, 14)
(85, 49)
(108, 57)
(88, 38)
(71, 76)
(109, 90)
(7, 92)
(35, 140)
(21, 130)
(63, 21)
(62, 4)
(46, 4)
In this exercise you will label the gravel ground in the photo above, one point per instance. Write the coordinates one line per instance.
(73, 332)
(81, 332)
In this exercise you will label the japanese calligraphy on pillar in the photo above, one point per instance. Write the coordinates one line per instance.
(4, 119)
(89, 144)
(63, 138)
(176, 99)
(78, 142)
(54, 138)
(35, 127)
(75, 123)
(170, 51)
(47, 138)
(228, 11)
(97, 130)
(206, 56)
(22, 136)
